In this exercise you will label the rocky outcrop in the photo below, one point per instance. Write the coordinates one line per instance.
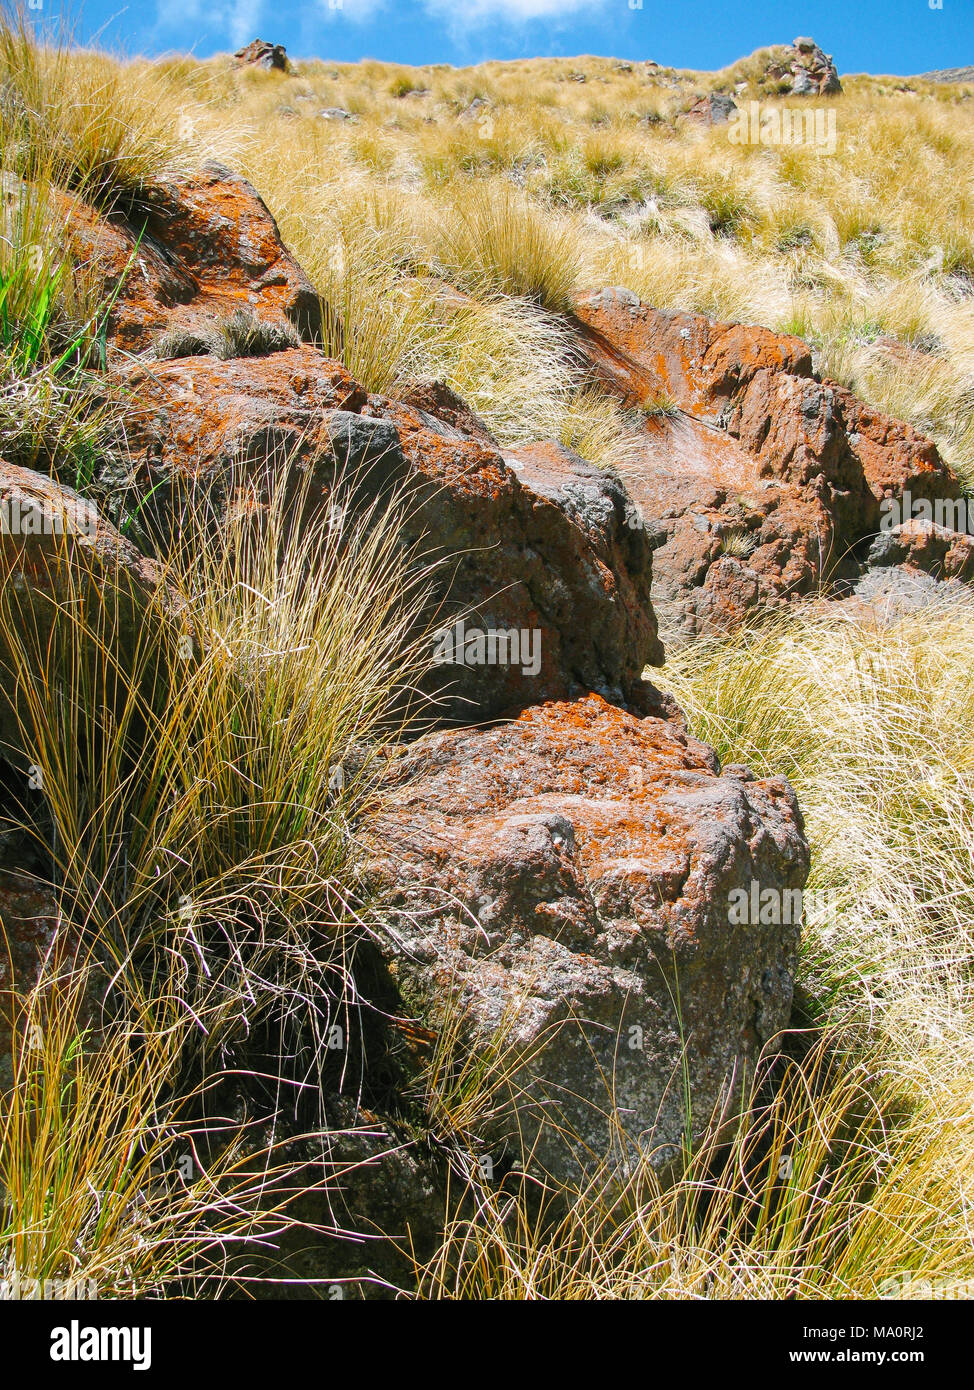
(949, 75)
(813, 73)
(260, 54)
(927, 547)
(761, 481)
(550, 584)
(558, 884)
(562, 886)
(197, 418)
(205, 249)
(885, 594)
(474, 111)
(917, 564)
(802, 69)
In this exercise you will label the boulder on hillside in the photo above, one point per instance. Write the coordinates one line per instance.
(812, 72)
(260, 54)
(762, 481)
(714, 109)
(540, 555)
(474, 111)
(206, 249)
(925, 546)
(559, 891)
(799, 69)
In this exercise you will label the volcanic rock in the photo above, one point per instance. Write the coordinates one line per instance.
(763, 481)
(205, 248)
(536, 541)
(558, 889)
(258, 53)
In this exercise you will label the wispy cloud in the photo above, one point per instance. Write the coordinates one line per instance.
(358, 11)
(466, 14)
(462, 13)
(234, 22)
(243, 19)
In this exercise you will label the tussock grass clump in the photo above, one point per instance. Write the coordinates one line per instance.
(241, 334)
(115, 1183)
(214, 769)
(595, 428)
(660, 407)
(818, 1196)
(870, 724)
(493, 240)
(53, 406)
(198, 793)
(51, 424)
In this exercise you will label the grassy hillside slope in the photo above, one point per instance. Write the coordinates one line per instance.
(447, 216)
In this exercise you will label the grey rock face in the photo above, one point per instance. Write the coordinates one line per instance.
(813, 71)
(533, 542)
(562, 885)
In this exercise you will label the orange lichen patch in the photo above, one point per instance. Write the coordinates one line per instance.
(471, 466)
(630, 381)
(619, 733)
(575, 864)
(603, 769)
(207, 246)
(735, 353)
(192, 416)
(697, 363)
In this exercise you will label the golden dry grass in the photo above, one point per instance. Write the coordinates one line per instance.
(552, 185)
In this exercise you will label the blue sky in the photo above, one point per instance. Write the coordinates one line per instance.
(896, 36)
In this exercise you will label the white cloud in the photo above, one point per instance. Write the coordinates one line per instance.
(175, 14)
(358, 11)
(243, 17)
(480, 12)
(237, 20)
(464, 14)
